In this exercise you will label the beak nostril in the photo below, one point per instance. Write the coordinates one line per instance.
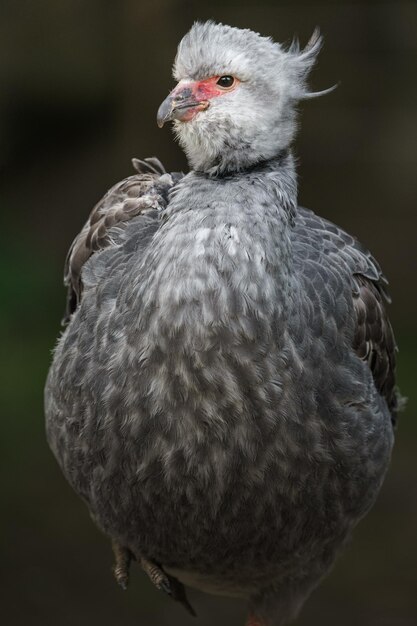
(183, 94)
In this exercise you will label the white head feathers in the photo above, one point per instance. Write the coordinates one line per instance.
(256, 121)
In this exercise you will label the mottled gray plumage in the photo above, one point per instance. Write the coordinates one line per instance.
(223, 395)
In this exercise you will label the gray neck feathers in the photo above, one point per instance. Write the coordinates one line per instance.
(214, 292)
(214, 151)
(224, 244)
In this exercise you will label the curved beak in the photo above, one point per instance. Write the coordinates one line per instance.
(181, 104)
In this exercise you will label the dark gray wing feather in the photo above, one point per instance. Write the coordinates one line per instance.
(143, 194)
(373, 339)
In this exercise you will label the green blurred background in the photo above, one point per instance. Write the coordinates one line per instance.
(80, 83)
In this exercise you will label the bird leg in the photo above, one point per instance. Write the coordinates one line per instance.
(161, 580)
(165, 582)
(122, 558)
(156, 575)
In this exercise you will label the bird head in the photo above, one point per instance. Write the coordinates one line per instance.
(236, 98)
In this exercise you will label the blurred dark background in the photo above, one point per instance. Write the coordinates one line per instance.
(80, 83)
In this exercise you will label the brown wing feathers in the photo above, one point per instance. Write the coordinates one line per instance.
(374, 339)
(131, 197)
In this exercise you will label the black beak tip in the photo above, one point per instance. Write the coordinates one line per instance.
(164, 112)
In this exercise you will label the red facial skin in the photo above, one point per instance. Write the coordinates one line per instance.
(208, 88)
(202, 92)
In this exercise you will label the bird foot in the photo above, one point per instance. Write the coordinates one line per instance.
(165, 582)
(122, 558)
(156, 575)
(161, 580)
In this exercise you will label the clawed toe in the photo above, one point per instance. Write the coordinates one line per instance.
(162, 581)
(166, 583)
(122, 558)
(156, 575)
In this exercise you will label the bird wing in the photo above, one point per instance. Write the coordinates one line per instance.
(373, 338)
(142, 195)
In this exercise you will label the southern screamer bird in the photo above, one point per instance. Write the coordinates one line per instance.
(223, 395)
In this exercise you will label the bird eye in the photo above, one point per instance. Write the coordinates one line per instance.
(226, 82)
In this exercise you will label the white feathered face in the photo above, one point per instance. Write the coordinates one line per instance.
(190, 97)
(234, 104)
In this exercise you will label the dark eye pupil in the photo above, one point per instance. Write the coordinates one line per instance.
(226, 81)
